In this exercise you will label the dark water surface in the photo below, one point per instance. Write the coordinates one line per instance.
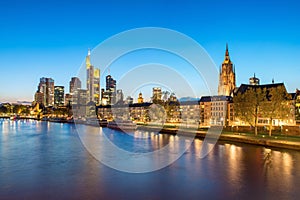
(40, 160)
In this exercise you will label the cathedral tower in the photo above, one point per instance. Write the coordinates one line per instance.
(227, 76)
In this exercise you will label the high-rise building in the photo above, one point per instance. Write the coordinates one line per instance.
(108, 97)
(93, 81)
(59, 92)
(68, 99)
(119, 97)
(46, 87)
(75, 84)
(79, 99)
(227, 76)
(39, 97)
(110, 83)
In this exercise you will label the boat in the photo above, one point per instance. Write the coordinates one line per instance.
(92, 121)
(103, 123)
(122, 125)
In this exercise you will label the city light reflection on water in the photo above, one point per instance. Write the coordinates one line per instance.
(40, 159)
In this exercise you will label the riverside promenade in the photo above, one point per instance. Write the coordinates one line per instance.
(275, 141)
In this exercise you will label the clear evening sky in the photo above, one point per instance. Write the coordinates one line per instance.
(51, 38)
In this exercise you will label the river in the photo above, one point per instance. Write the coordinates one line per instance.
(43, 160)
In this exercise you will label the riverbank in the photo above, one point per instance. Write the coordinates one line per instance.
(275, 141)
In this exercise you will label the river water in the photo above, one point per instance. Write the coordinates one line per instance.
(43, 160)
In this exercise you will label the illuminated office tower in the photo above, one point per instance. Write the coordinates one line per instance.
(45, 92)
(92, 81)
(109, 96)
(75, 84)
(59, 92)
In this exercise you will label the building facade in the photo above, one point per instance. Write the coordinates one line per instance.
(45, 92)
(75, 84)
(79, 105)
(109, 96)
(92, 81)
(59, 92)
(219, 110)
(189, 112)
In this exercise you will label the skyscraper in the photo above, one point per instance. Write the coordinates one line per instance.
(92, 81)
(227, 76)
(109, 96)
(45, 92)
(119, 97)
(79, 103)
(75, 84)
(59, 92)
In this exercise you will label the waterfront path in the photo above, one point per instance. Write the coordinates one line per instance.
(277, 141)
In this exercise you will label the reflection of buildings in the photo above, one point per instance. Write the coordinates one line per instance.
(59, 92)
(93, 81)
(227, 76)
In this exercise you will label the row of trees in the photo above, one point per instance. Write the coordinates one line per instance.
(16, 109)
(270, 103)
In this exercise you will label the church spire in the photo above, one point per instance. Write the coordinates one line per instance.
(227, 76)
(227, 58)
(227, 53)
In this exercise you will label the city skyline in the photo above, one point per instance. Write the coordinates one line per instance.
(38, 46)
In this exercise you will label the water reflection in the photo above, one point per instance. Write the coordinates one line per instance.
(40, 159)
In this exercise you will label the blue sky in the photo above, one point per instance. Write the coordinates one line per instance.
(51, 38)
